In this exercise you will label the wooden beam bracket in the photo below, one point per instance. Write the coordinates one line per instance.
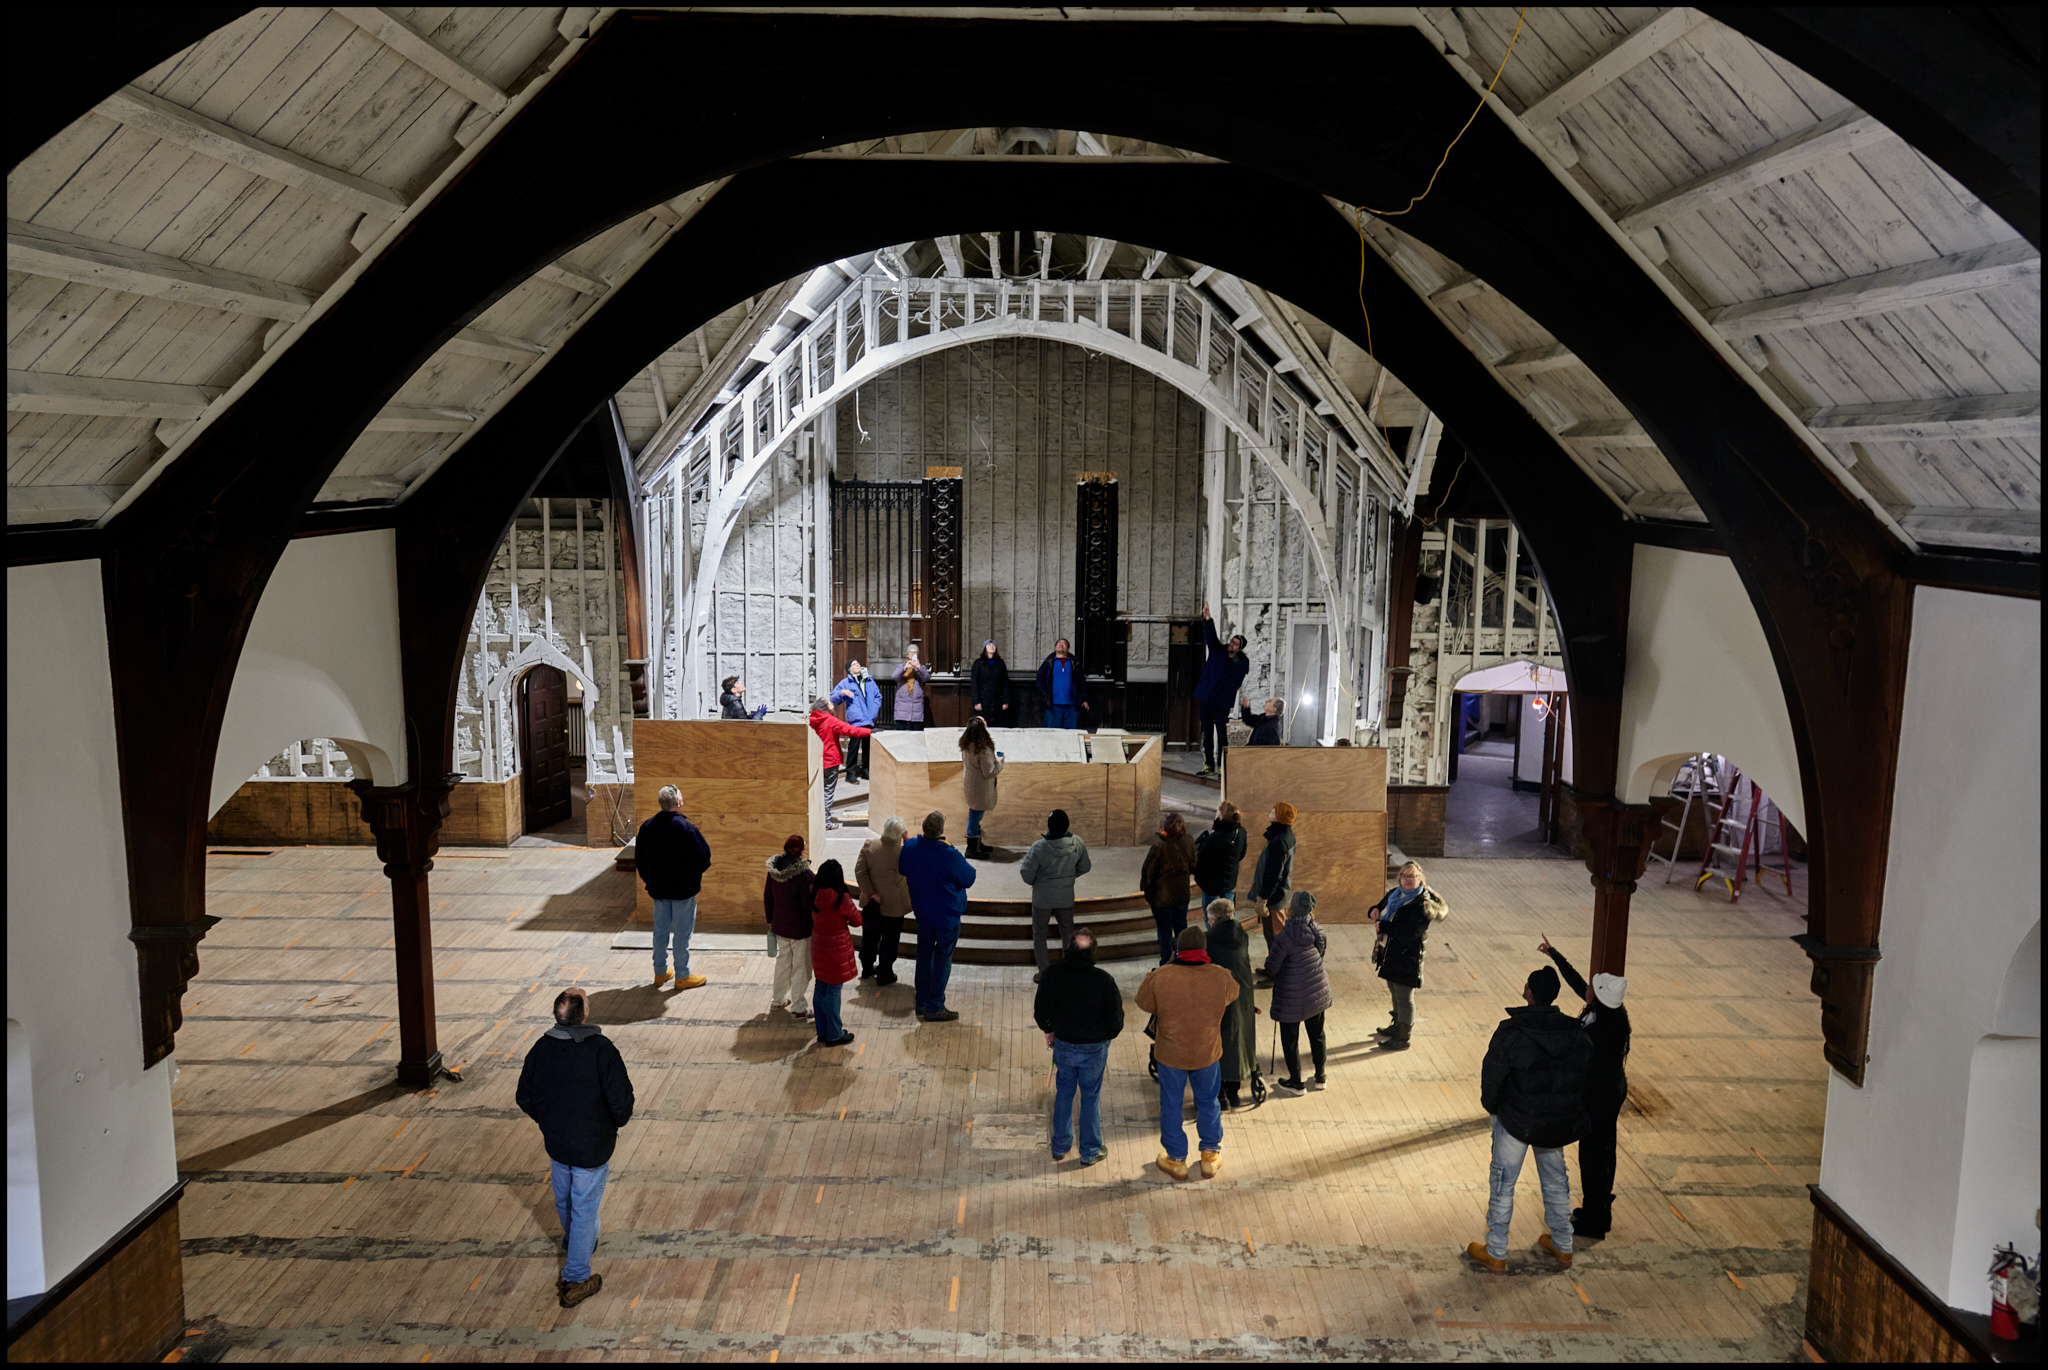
(168, 958)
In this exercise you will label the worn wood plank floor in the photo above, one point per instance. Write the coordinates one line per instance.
(895, 1199)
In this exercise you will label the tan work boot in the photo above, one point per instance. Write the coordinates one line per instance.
(573, 1294)
(1177, 1169)
(1212, 1164)
(664, 978)
(691, 982)
(1477, 1251)
(1564, 1258)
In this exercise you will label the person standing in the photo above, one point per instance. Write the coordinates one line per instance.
(574, 1084)
(884, 901)
(1605, 1022)
(980, 764)
(829, 729)
(1231, 948)
(1267, 729)
(1301, 991)
(863, 699)
(732, 700)
(1188, 995)
(1080, 1010)
(1273, 876)
(1051, 867)
(1219, 853)
(786, 899)
(832, 914)
(939, 878)
(1533, 1085)
(1062, 687)
(672, 856)
(990, 681)
(1165, 881)
(1223, 673)
(911, 693)
(1406, 914)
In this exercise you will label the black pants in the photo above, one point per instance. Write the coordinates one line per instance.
(909, 725)
(853, 752)
(1597, 1162)
(881, 941)
(1290, 1046)
(1170, 922)
(1215, 734)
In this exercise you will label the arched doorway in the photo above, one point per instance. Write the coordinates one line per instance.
(544, 746)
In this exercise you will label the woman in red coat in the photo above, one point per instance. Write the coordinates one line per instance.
(832, 962)
(830, 728)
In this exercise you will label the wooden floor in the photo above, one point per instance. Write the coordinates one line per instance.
(773, 1199)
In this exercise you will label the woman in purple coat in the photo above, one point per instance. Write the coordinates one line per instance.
(1301, 989)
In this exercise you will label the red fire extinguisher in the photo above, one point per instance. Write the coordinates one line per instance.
(2004, 1261)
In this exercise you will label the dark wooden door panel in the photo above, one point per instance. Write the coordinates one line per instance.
(544, 746)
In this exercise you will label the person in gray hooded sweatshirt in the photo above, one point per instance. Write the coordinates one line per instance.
(1052, 865)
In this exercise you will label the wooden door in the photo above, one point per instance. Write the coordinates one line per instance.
(544, 746)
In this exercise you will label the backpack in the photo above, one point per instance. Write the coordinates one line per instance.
(1208, 856)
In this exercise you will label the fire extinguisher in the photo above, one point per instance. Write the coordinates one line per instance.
(2005, 1263)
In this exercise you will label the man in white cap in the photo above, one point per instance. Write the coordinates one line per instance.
(1606, 1026)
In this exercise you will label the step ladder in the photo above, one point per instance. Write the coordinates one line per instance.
(1695, 778)
(1746, 819)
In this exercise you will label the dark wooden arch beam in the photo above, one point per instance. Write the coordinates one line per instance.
(1960, 83)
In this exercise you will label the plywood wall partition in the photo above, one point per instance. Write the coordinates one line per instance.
(747, 786)
(326, 813)
(1340, 827)
(1111, 801)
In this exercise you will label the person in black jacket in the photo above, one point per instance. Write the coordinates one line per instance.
(1267, 729)
(672, 856)
(1080, 1010)
(574, 1085)
(1219, 854)
(1405, 914)
(990, 680)
(1533, 1083)
(1606, 1024)
(732, 701)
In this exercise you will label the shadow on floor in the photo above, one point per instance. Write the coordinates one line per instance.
(595, 906)
(291, 1130)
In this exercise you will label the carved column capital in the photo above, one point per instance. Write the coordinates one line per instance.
(407, 820)
(1842, 980)
(168, 958)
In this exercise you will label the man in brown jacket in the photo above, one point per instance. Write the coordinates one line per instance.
(1187, 997)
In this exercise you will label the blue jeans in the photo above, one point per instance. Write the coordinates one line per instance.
(825, 1003)
(1508, 1152)
(934, 963)
(974, 822)
(1211, 896)
(1173, 1086)
(680, 917)
(1062, 716)
(1080, 1065)
(577, 1195)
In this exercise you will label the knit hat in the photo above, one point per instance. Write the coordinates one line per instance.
(1543, 985)
(1304, 903)
(1056, 823)
(988, 642)
(793, 845)
(1191, 939)
(1608, 989)
(1283, 812)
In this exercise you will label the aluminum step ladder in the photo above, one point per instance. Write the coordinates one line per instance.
(1695, 778)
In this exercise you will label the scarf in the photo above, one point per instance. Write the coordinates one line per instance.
(1192, 958)
(1396, 897)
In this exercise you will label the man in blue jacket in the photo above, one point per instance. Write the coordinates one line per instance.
(938, 877)
(1062, 687)
(1216, 692)
(863, 700)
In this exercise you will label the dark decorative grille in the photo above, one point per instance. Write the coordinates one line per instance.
(943, 527)
(896, 554)
(1097, 639)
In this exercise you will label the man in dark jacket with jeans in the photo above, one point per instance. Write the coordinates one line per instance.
(1533, 1083)
(672, 856)
(1606, 1023)
(574, 1085)
(1223, 674)
(1080, 1010)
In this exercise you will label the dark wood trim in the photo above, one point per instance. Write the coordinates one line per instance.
(1961, 84)
(1680, 537)
(1407, 554)
(407, 820)
(1937, 1310)
(24, 1313)
(34, 546)
(1986, 573)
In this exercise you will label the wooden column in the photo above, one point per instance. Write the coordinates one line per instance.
(1618, 837)
(407, 821)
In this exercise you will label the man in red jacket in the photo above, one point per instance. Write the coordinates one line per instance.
(830, 729)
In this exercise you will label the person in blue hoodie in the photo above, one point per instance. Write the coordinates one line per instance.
(1062, 687)
(863, 700)
(938, 876)
(1216, 692)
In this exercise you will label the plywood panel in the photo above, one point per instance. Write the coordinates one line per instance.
(1031, 790)
(1120, 790)
(1145, 818)
(1313, 779)
(1340, 858)
(327, 813)
(747, 787)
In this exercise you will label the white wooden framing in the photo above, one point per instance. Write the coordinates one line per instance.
(1269, 418)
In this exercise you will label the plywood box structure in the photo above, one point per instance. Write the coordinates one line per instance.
(747, 786)
(1108, 782)
(481, 813)
(1340, 826)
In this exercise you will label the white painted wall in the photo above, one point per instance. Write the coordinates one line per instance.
(321, 660)
(1701, 679)
(24, 1198)
(104, 1150)
(1962, 892)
